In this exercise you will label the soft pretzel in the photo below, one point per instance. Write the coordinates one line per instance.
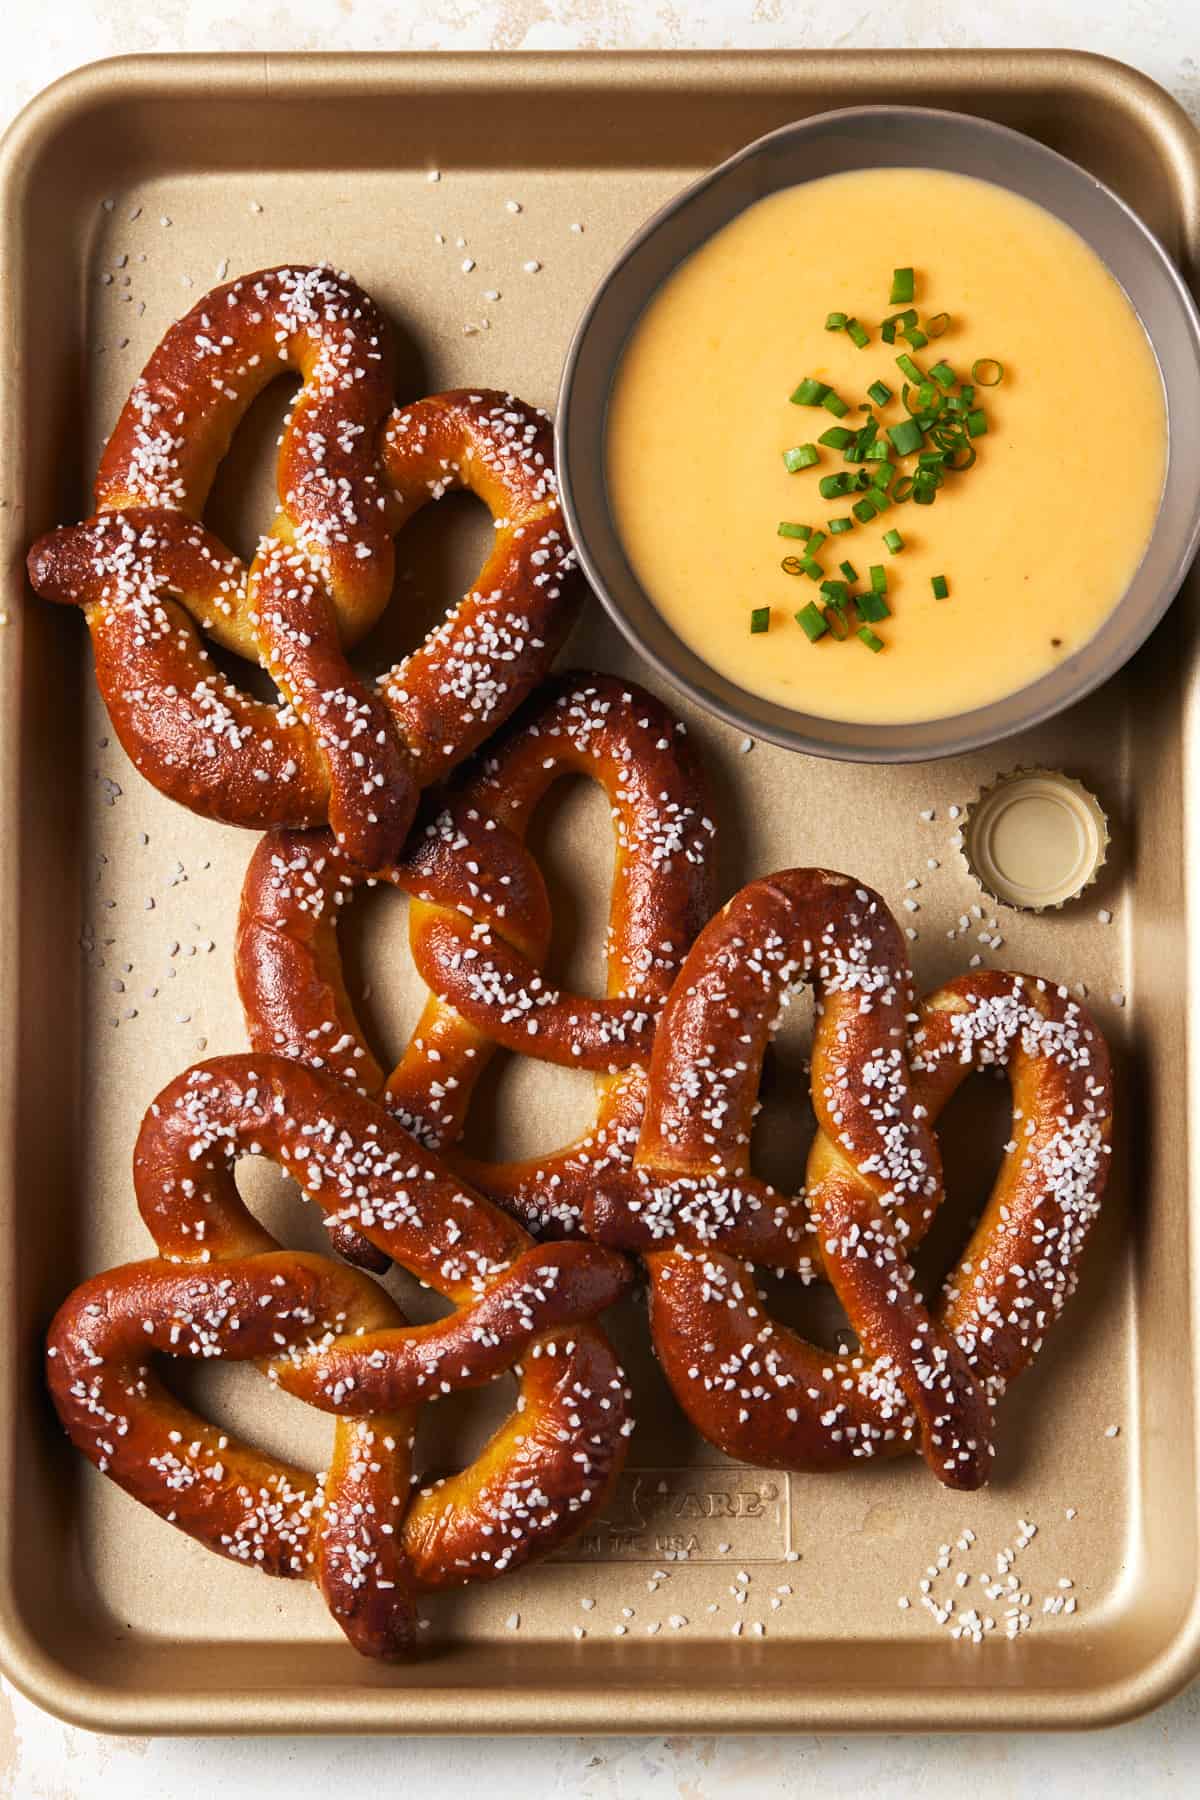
(480, 930)
(351, 472)
(702, 1220)
(221, 1286)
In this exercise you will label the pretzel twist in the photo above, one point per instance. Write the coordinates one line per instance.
(222, 1286)
(702, 1220)
(351, 472)
(480, 931)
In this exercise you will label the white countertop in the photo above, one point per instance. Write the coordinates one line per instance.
(41, 1757)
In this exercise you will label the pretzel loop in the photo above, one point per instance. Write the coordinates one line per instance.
(480, 930)
(149, 577)
(702, 1220)
(223, 1287)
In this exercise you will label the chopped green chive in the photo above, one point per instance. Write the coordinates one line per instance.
(834, 487)
(811, 622)
(987, 371)
(760, 619)
(942, 419)
(906, 437)
(810, 392)
(905, 363)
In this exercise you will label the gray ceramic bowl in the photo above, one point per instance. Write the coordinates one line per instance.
(861, 138)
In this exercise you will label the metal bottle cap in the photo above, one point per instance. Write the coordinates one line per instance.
(1035, 838)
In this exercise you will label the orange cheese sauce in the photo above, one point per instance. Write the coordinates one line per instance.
(1037, 541)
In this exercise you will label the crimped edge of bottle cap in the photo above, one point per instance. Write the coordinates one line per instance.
(1005, 868)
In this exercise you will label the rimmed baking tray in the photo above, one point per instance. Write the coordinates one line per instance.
(126, 191)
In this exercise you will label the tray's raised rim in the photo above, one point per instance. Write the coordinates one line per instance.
(635, 1706)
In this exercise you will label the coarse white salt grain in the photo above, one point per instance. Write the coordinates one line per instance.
(576, 226)
(532, 266)
(468, 263)
(513, 206)
(746, 744)
(434, 175)
(1104, 916)
(513, 1621)
(1112, 1431)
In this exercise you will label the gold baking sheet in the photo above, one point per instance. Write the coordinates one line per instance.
(216, 165)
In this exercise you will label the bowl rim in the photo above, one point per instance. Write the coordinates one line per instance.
(958, 732)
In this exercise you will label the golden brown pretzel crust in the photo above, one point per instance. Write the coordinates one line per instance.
(702, 1220)
(222, 1286)
(480, 931)
(351, 472)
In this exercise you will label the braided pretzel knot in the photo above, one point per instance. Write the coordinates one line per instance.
(350, 474)
(757, 1390)
(223, 1287)
(480, 931)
